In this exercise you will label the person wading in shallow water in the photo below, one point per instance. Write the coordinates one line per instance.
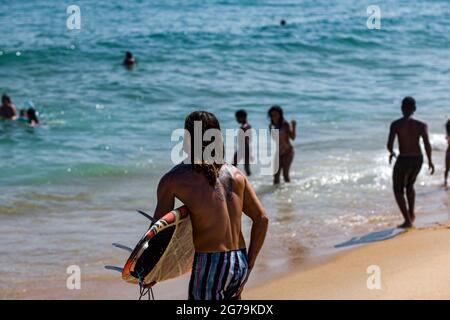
(216, 195)
(241, 118)
(285, 150)
(447, 155)
(409, 131)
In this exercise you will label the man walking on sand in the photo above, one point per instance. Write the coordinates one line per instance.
(410, 160)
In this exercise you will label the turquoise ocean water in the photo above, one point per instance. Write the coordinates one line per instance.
(69, 187)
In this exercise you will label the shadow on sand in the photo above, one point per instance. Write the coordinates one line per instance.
(372, 237)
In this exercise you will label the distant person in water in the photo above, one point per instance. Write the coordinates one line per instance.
(129, 60)
(28, 116)
(216, 195)
(22, 116)
(409, 131)
(32, 117)
(285, 150)
(283, 22)
(447, 155)
(7, 110)
(243, 150)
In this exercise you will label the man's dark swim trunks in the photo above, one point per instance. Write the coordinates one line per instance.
(406, 170)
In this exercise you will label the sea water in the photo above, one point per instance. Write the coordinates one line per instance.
(69, 187)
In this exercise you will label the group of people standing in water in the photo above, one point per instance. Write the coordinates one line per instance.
(285, 152)
(8, 111)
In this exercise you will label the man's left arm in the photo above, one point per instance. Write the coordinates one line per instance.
(426, 142)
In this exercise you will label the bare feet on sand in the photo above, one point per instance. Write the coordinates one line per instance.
(405, 225)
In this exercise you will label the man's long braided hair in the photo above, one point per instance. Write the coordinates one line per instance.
(208, 121)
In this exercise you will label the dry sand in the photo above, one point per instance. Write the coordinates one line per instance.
(414, 265)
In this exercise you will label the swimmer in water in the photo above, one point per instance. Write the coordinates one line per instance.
(447, 155)
(129, 60)
(409, 132)
(22, 116)
(241, 118)
(7, 109)
(32, 117)
(285, 150)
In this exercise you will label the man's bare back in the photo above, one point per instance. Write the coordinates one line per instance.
(215, 212)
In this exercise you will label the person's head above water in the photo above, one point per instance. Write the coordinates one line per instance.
(275, 114)
(408, 106)
(241, 116)
(283, 22)
(209, 167)
(129, 59)
(32, 116)
(6, 100)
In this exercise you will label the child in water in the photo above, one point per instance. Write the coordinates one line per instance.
(22, 116)
(243, 148)
(28, 116)
(447, 155)
(32, 117)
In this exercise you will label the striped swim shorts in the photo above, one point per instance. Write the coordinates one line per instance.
(217, 275)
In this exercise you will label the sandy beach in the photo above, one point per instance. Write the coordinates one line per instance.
(414, 265)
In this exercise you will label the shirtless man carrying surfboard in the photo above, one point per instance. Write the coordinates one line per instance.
(216, 194)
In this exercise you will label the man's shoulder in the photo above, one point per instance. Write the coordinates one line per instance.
(397, 122)
(236, 174)
(177, 172)
(420, 123)
(179, 169)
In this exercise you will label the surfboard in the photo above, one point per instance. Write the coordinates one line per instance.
(164, 252)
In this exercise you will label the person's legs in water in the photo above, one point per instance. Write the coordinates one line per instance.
(415, 166)
(399, 178)
(447, 167)
(276, 176)
(286, 164)
(218, 275)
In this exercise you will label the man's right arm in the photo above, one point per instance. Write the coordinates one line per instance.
(390, 143)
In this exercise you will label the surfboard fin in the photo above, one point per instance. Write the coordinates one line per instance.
(121, 246)
(114, 268)
(153, 220)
